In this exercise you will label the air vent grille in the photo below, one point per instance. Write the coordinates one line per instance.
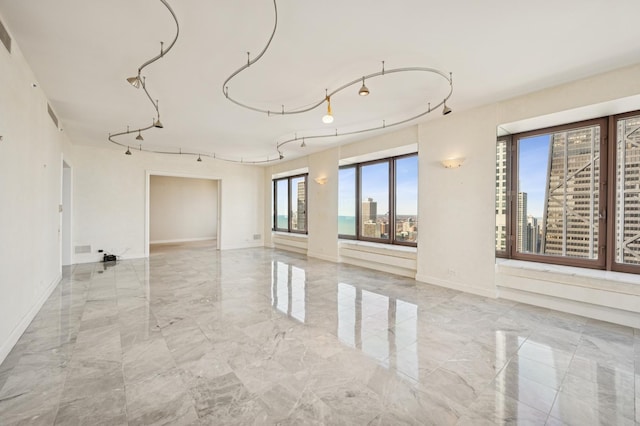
(4, 37)
(52, 115)
(82, 249)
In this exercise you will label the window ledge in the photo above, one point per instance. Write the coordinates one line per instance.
(619, 282)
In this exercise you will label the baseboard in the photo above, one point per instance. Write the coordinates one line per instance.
(321, 256)
(456, 286)
(19, 329)
(182, 240)
(252, 244)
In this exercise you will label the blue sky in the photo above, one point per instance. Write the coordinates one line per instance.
(533, 158)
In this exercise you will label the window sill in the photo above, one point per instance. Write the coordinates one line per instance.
(618, 282)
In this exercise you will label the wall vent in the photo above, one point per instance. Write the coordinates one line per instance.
(5, 37)
(82, 249)
(52, 115)
(257, 236)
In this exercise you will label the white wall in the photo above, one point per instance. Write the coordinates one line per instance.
(110, 193)
(182, 209)
(30, 190)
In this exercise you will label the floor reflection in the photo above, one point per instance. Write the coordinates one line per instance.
(196, 336)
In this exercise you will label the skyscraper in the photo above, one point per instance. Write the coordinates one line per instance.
(501, 195)
(302, 205)
(522, 242)
(369, 211)
(571, 202)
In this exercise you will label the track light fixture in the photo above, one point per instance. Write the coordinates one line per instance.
(158, 124)
(364, 91)
(135, 81)
(139, 137)
(128, 152)
(328, 118)
(445, 109)
(199, 160)
(303, 144)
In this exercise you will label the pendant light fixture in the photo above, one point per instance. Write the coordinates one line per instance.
(364, 91)
(328, 118)
(199, 160)
(139, 137)
(128, 152)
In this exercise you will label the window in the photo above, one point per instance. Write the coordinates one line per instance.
(378, 201)
(560, 208)
(290, 204)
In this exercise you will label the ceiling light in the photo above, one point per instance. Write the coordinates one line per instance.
(328, 118)
(135, 81)
(303, 144)
(158, 124)
(139, 137)
(446, 110)
(364, 91)
(128, 152)
(199, 160)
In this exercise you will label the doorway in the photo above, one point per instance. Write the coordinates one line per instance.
(181, 210)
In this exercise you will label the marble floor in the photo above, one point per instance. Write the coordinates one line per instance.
(259, 336)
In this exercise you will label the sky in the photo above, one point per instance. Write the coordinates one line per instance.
(533, 158)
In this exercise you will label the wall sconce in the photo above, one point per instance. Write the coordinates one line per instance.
(452, 163)
(321, 180)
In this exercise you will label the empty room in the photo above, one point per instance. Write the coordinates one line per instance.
(277, 212)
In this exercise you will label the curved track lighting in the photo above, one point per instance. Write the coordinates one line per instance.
(139, 81)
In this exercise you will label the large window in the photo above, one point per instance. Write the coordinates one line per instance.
(378, 201)
(290, 204)
(553, 203)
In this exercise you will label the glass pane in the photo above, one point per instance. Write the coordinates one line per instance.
(374, 213)
(407, 199)
(501, 196)
(627, 233)
(558, 182)
(298, 204)
(347, 201)
(282, 205)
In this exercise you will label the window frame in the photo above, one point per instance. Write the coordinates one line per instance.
(391, 162)
(607, 188)
(611, 196)
(274, 186)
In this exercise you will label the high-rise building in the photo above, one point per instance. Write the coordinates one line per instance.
(571, 206)
(302, 205)
(369, 211)
(522, 241)
(533, 235)
(501, 196)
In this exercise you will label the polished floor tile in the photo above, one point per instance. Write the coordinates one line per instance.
(194, 336)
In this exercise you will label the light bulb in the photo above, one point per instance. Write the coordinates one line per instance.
(327, 119)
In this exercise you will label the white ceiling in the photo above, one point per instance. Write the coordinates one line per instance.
(81, 52)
